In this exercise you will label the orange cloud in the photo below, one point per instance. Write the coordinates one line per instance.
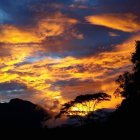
(50, 26)
(123, 22)
(13, 34)
(41, 76)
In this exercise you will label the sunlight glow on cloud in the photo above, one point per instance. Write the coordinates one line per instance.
(40, 76)
(51, 26)
(123, 22)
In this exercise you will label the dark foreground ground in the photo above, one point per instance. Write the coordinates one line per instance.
(23, 117)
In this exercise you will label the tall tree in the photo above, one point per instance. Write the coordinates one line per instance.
(129, 83)
(128, 113)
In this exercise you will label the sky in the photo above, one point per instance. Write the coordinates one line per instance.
(54, 50)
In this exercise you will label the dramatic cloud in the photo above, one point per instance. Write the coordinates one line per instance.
(51, 26)
(123, 22)
(61, 79)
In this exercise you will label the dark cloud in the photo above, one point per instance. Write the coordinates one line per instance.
(70, 91)
(71, 82)
(74, 87)
(25, 11)
(95, 40)
(12, 86)
(10, 90)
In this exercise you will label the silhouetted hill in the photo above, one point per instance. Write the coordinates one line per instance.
(21, 114)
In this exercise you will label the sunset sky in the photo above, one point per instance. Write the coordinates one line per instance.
(54, 50)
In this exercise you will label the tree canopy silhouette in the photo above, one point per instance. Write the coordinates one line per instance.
(129, 82)
(128, 113)
(88, 101)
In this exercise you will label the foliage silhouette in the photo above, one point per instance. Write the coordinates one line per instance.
(129, 83)
(89, 101)
(128, 114)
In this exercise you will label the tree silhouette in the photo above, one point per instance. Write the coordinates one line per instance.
(128, 113)
(83, 105)
(129, 83)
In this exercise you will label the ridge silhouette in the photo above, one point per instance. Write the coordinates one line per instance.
(21, 114)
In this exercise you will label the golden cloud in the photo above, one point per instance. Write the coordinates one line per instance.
(41, 76)
(50, 26)
(123, 22)
(13, 34)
